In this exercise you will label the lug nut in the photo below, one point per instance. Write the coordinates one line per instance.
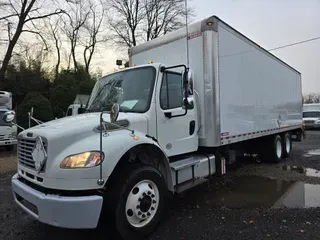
(130, 213)
(153, 195)
(148, 214)
(152, 208)
(138, 206)
(144, 194)
(149, 192)
(153, 201)
(139, 213)
(143, 215)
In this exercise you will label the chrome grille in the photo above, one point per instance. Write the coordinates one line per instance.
(25, 148)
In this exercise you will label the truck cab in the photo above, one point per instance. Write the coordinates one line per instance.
(311, 115)
(75, 109)
(8, 131)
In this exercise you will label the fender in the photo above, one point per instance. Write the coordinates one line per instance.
(118, 143)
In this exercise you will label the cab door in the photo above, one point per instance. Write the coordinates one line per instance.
(176, 135)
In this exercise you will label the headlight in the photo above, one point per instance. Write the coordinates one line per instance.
(82, 160)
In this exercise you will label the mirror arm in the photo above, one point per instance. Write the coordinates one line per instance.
(18, 126)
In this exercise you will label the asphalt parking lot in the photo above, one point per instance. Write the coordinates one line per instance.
(255, 201)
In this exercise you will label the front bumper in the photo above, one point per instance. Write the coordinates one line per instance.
(66, 212)
(8, 142)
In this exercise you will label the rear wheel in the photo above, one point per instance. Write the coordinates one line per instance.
(276, 147)
(272, 149)
(287, 145)
(138, 201)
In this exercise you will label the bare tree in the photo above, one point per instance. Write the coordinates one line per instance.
(163, 16)
(134, 21)
(55, 30)
(17, 16)
(94, 32)
(77, 16)
(311, 98)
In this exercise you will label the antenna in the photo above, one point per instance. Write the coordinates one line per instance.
(186, 9)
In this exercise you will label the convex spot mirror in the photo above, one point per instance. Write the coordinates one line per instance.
(9, 116)
(114, 113)
(190, 79)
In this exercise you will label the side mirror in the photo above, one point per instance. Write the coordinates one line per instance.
(9, 116)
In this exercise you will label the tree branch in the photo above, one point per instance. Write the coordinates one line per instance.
(8, 16)
(39, 34)
(45, 16)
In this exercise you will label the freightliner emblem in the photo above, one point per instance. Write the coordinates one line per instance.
(39, 154)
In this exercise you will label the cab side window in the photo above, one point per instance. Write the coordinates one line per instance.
(81, 110)
(69, 112)
(171, 91)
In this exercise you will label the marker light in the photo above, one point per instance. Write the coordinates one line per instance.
(209, 24)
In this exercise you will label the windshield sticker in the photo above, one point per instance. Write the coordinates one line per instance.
(129, 104)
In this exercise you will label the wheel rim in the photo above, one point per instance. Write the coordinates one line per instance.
(279, 149)
(288, 146)
(142, 203)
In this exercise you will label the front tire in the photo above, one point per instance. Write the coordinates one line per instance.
(138, 201)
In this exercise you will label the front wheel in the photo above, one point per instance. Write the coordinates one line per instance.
(140, 202)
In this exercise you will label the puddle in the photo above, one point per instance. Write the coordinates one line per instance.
(309, 172)
(256, 192)
(315, 152)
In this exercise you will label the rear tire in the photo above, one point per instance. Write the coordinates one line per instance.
(136, 201)
(271, 149)
(287, 145)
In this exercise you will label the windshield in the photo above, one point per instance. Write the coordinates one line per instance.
(311, 114)
(132, 89)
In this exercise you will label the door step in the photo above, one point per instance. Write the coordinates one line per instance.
(192, 170)
(189, 184)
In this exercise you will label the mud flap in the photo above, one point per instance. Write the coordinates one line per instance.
(221, 168)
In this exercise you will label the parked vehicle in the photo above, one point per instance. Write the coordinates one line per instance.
(78, 106)
(75, 109)
(311, 115)
(8, 132)
(156, 129)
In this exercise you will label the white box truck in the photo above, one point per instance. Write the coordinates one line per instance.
(158, 129)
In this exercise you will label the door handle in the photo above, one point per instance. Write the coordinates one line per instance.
(168, 114)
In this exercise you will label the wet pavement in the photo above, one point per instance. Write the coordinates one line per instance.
(255, 201)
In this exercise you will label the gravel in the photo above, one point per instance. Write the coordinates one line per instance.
(201, 213)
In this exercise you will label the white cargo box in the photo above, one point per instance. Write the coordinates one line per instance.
(244, 91)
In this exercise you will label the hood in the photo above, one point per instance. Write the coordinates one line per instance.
(84, 123)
